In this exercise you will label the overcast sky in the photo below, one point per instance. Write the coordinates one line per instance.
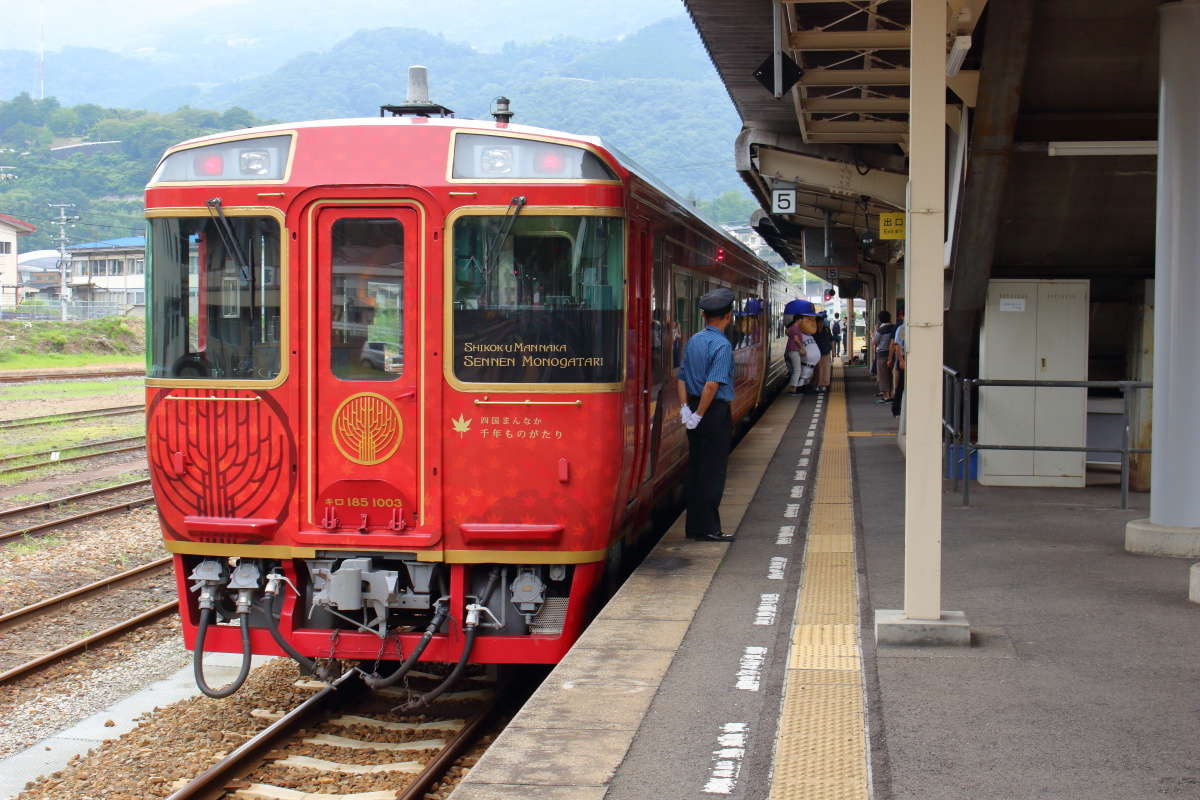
(131, 25)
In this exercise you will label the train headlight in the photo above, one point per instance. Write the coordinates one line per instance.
(255, 162)
(263, 158)
(496, 161)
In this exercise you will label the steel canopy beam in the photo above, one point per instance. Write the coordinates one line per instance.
(849, 40)
(855, 77)
(1006, 48)
(833, 177)
(857, 105)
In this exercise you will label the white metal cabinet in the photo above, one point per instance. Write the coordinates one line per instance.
(1033, 330)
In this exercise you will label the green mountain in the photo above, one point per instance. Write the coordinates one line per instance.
(653, 94)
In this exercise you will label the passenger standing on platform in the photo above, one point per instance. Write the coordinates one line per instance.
(894, 362)
(802, 351)
(824, 340)
(899, 364)
(836, 330)
(881, 341)
(705, 388)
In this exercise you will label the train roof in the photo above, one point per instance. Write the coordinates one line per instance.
(620, 156)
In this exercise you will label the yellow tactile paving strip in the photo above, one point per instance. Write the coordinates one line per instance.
(821, 750)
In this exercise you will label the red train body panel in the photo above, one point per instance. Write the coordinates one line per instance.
(404, 362)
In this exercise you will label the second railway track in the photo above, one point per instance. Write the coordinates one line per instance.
(70, 416)
(74, 603)
(39, 516)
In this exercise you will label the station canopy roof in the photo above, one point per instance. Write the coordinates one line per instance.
(1022, 74)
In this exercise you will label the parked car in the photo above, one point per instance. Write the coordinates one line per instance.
(381, 355)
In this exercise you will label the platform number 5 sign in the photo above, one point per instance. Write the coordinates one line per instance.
(783, 201)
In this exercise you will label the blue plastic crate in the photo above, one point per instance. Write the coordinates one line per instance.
(954, 465)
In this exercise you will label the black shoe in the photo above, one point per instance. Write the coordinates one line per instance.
(713, 537)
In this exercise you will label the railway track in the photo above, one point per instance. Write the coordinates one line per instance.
(63, 376)
(35, 510)
(70, 416)
(14, 620)
(47, 457)
(405, 756)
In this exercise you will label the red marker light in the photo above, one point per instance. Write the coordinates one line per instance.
(720, 254)
(549, 161)
(209, 165)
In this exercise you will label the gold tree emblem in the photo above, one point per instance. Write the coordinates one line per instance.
(367, 428)
(461, 425)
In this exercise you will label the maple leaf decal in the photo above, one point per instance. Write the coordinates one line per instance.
(460, 425)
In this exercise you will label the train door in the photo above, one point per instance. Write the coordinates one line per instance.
(661, 342)
(364, 317)
(640, 273)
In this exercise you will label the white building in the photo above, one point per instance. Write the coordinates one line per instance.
(10, 282)
(111, 271)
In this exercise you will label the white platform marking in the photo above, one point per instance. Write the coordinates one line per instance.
(792, 511)
(802, 462)
(768, 607)
(801, 475)
(786, 532)
(750, 666)
(727, 758)
(775, 569)
(808, 442)
(806, 451)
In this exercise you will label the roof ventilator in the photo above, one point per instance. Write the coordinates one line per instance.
(417, 104)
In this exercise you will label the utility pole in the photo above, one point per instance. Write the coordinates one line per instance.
(64, 263)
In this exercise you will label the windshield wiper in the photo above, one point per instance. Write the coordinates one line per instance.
(227, 238)
(506, 226)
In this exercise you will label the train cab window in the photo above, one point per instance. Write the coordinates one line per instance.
(367, 296)
(538, 299)
(215, 298)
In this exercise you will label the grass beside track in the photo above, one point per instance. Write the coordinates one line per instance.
(75, 488)
(40, 361)
(59, 436)
(41, 390)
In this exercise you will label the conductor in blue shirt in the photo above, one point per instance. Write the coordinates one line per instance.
(705, 388)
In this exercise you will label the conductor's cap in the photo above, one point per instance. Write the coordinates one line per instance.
(717, 300)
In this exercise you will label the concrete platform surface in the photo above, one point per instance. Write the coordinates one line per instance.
(1081, 681)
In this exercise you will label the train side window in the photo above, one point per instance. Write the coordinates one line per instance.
(367, 299)
(683, 305)
(538, 299)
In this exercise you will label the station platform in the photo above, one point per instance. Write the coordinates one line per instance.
(746, 670)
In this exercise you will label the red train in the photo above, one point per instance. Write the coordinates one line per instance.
(410, 389)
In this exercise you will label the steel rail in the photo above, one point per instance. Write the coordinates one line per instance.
(83, 446)
(69, 459)
(137, 502)
(436, 769)
(63, 376)
(111, 580)
(211, 783)
(71, 498)
(69, 416)
(112, 630)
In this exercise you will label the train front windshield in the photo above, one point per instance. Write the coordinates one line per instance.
(214, 298)
(538, 298)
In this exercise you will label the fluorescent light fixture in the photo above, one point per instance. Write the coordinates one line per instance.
(1145, 147)
(958, 53)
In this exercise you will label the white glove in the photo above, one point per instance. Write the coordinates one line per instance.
(693, 421)
(685, 414)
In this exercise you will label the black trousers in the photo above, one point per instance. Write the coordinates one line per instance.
(898, 395)
(708, 454)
